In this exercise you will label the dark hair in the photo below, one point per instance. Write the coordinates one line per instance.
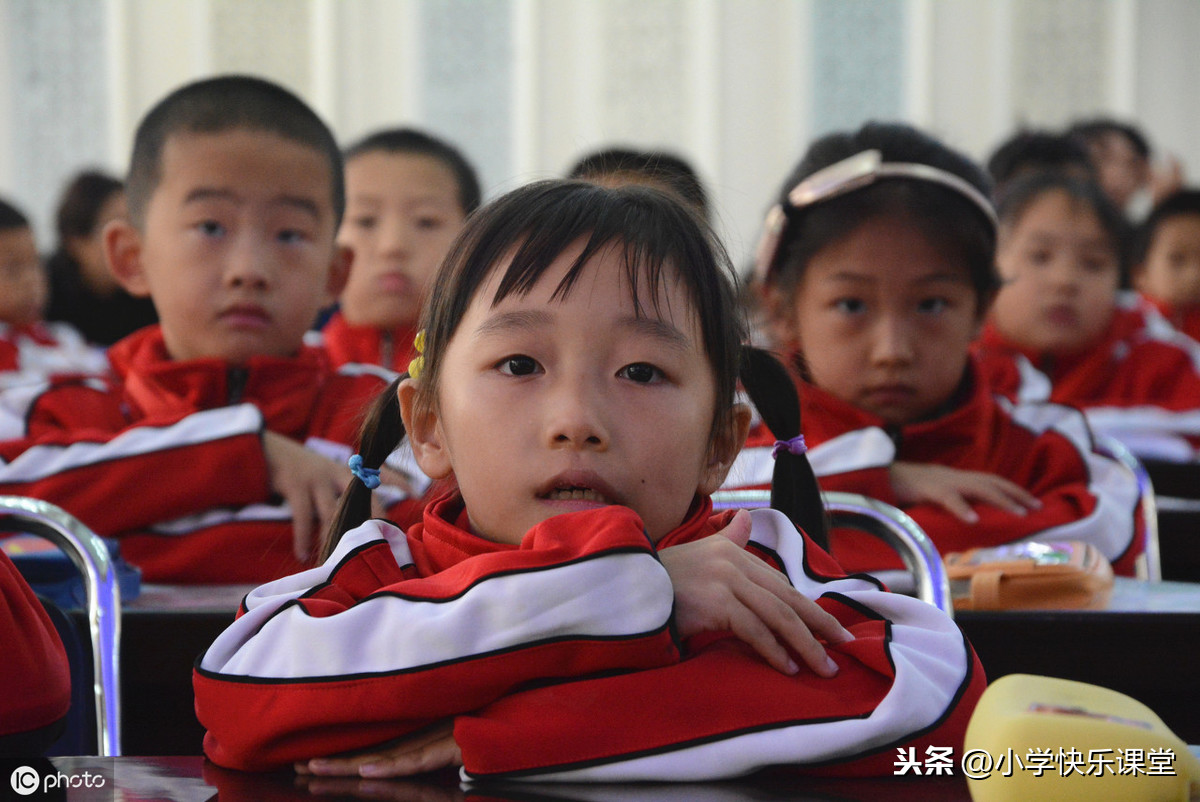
(217, 105)
(941, 214)
(1021, 193)
(661, 168)
(419, 143)
(81, 201)
(11, 217)
(1037, 151)
(1091, 130)
(534, 225)
(1185, 201)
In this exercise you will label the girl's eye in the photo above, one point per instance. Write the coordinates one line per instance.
(933, 306)
(429, 223)
(518, 365)
(211, 228)
(641, 373)
(850, 306)
(1039, 257)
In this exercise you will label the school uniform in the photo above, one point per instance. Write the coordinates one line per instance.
(1045, 448)
(1139, 383)
(368, 345)
(558, 659)
(167, 454)
(37, 352)
(34, 673)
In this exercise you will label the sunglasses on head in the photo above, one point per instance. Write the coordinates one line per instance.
(856, 172)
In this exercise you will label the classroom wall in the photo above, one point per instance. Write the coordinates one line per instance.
(526, 86)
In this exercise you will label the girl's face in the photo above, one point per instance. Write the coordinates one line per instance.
(1059, 275)
(402, 213)
(550, 405)
(883, 319)
(1171, 271)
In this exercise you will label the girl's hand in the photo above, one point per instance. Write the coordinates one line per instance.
(955, 489)
(429, 750)
(311, 485)
(721, 587)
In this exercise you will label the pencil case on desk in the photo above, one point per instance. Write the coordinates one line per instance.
(1030, 575)
(1034, 738)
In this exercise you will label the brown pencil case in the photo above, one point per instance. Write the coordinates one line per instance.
(1030, 575)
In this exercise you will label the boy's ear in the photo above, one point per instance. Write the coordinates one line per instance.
(339, 272)
(424, 432)
(726, 446)
(123, 251)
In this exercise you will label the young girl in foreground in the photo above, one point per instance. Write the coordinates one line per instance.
(407, 194)
(575, 610)
(1062, 330)
(877, 278)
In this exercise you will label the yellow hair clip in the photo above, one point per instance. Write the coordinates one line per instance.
(418, 364)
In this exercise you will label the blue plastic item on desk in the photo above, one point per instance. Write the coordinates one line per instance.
(51, 573)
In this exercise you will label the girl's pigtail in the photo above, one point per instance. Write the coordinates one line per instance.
(381, 433)
(794, 488)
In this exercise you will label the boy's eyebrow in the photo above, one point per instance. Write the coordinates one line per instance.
(298, 202)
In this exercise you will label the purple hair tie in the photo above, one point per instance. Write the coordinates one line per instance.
(795, 446)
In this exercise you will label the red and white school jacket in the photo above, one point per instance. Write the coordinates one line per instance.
(1045, 448)
(35, 678)
(368, 345)
(35, 353)
(558, 660)
(1140, 383)
(1184, 318)
(168, 455)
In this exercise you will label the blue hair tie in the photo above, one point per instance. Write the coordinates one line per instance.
(795, 446)
(368, 476)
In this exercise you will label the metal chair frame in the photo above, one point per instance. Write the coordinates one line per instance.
(1149, 564)
(884, 521)
(85, 548)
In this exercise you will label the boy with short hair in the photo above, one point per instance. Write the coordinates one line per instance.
(1166, 260)
(32, 350)
(219, 447)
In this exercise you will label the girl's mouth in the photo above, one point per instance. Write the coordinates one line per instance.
(576, 494)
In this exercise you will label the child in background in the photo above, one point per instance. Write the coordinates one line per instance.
(1036, 151)
(407, 195)
(219, 446)
(574, 610)
(1121, 156)
(1061, 330)
(878, 270)
(32, 350)
(1166, 260)
(615, 167)
(83, 291)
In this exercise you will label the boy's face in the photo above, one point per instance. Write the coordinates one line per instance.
(23, 285)
(402, 213)
(237, 247)
(1059, 275)
(1171, 271)
(884, 319)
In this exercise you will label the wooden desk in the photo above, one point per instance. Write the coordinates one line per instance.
(1147, 645)
(188, 779)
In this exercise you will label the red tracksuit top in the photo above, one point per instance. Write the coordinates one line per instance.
(1140, 383)
(1184, 318)
(557, 659)
(42, 350)
(1045, 448)
(168, 454)
(34, 675)
(368, 345)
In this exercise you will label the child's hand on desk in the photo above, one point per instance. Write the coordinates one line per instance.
(429, 750)
(956, 489)
(719, 587)
(311, 485)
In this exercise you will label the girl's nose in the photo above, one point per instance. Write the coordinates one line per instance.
(575, 417)
(893, 342)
